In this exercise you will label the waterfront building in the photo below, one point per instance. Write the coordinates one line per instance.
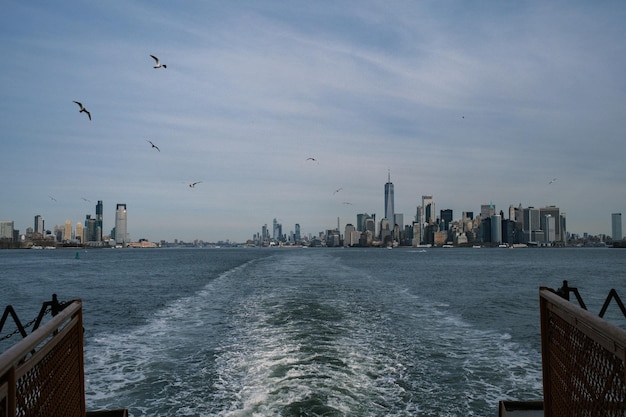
(369, 225)
(555, 213)
(6, 230)
(90, 231)
(616, 226)
(351, 235)
(78, 232)
(389, 208)
(99, 219)
(121, 227)
(548, 225)
(67, 230)
(39, 225)
(297, 236)
(496, 228)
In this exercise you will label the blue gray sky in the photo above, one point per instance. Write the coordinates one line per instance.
(470, 102)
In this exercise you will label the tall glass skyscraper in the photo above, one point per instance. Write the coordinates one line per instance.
(121, 232)
(616, 226)
(389, 210)
(99, 218)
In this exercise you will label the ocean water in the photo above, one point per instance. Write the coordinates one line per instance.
(309, 332)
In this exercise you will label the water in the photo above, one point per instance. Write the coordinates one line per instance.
(309, 332)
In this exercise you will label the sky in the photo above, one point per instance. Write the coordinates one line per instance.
(472, 102)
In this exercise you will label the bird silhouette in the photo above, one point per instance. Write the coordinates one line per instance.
(193, 184)
(337, 190)
(158, 63)
(552, 180)
(153, 145)
(83, 109)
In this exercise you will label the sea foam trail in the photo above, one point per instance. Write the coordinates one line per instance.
(306, 335)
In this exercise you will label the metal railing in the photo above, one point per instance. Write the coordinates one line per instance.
(42, 375)
(583, 360)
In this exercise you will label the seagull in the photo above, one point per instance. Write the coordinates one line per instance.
(337, 190)
(153, 145)
(83, 109)
(311, 159)
(552, 180)
(84, 199)
(346, 202)
(52, 198)
(193, 184)
(158, 63)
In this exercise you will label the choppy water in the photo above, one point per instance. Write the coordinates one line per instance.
(309, 332)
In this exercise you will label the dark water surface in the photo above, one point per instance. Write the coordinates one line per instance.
(309, 332)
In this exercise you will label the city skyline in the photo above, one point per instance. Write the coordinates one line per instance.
(424, 214)
(270, 107)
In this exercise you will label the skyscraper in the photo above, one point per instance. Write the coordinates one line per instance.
(39, 224)
(389, 209)
(428, 207)
(99, 218)
(616, 226)
(121, 232)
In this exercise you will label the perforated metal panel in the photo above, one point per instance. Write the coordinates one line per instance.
(50, 381)
(583, 361)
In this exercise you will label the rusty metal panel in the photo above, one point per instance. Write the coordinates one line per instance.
(583, 361)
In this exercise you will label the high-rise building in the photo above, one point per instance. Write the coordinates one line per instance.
(67, 230)
(297, 235)
(39, 224)
(428, 209)
(554, 212)
(78, 232)
(487, 210)
(389, 209)
(616, 226)
(90, 231)
(446, 218)
(99, 218)
(496, 228)
(121, 231)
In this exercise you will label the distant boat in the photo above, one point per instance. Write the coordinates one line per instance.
(36, 247)
(476, 246)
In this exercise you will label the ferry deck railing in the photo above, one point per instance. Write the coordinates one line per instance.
(42, 375)
(583, 361)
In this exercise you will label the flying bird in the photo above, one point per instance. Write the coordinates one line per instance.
(311, 159)
(348, 203)
(337, 190)
(83, 109)
(193, 184)
(153, 145)
(52, 198)
(552, 180)
(84, 199)
(158, 63)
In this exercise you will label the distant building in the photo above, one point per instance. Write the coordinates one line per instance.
(67, 231)
(428, 207)
(351, 235)
(389, 208)
(121, 231)
(99, 219)
(39, 225)
(6, 230)
(496, 228)
(616, 226)
(446, 218)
